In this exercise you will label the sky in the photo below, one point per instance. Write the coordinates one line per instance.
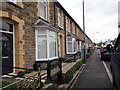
(101, 17)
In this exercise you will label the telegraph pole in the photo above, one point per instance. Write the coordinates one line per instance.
(84, 33)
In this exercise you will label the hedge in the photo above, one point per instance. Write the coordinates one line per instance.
(66, 78)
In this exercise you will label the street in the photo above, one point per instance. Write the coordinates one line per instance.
(94, 75)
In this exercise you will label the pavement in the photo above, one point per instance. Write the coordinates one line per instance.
(94, 74)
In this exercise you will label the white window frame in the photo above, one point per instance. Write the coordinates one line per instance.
(42, 2)
(48, 57)
(14, 1)
(73, 41)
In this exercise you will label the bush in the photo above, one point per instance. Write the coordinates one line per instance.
(7, 83)
(69, 74)
(47, 81)
(51, 87)
(68, 60)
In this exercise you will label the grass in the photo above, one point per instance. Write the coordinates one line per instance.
(68, 60)
(47, 81)
(22, 73)
(5, 83)
(2, 84)
(17, 86)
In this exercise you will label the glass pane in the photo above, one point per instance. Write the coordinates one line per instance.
(118, 49)
(75, 47)
(69, 46)
(59, 17)
(51, 33)
(42, 47)
(52, 47)
(41, 31)
(42, 10)
(43, 1)
(7, 44)
(69, 39)
(6, 26)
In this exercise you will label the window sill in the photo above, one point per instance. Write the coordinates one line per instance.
(71, 52)
(50, 59)
(14, 4)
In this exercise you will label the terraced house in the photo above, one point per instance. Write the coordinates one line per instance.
(35, 32)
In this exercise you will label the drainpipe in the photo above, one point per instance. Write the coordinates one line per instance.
(65, 34)
(54, 15)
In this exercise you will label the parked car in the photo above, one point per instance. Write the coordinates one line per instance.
(106, 52)
(115, 64)
(98, 47)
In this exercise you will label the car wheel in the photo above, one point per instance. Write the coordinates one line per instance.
(102, 59)
(110, 68)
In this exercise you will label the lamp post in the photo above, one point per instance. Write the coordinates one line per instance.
(94, 36)
(84, 32)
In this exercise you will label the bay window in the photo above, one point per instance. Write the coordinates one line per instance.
(52, 44)
(43, 9)
(71, 45)
(46, 44)
(79, 45)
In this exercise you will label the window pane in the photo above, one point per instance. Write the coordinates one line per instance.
(42, 47)
(52, 33)
(69, 39)
(52, 47)
(69, 46)
(41, 31)
(6, 26)
(43, 1)
(43, 11)
(75, 47)
(60, 18)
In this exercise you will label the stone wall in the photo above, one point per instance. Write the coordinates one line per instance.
(23, 19)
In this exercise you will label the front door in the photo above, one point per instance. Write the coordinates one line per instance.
(7, 48)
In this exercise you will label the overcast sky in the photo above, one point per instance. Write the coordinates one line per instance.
(100, 16)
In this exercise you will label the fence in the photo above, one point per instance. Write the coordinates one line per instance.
(53, 73)
(33, 81)
(54, 70)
